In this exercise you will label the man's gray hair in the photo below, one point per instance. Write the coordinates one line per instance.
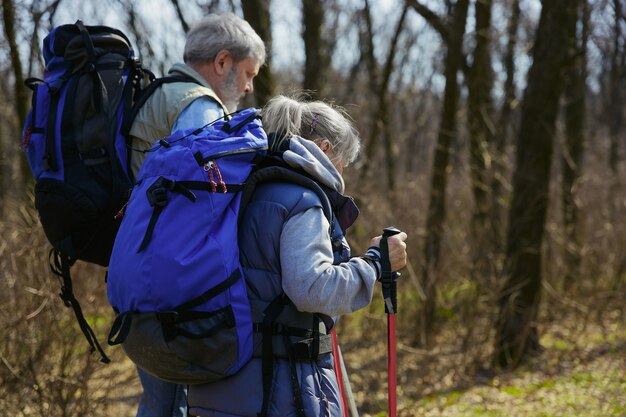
(313, 120)
(217, 32)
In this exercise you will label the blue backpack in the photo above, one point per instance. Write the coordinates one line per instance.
(74, 142)
(174, 277)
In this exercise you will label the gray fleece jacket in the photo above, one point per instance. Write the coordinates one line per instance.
(316, 285)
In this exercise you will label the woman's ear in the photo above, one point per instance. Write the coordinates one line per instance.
(325, 145)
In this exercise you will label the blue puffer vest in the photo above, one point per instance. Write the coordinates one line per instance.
(313, 380)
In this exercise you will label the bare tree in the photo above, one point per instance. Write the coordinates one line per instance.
(21, 92)
(615, 105)
(381, 113)
(181, 17)
(257, 13)
(573, 147)
(452, 34)
(516, 327)
(37, 12)
(138, 29)
(498, 218)
(481, 131)
(315, 61)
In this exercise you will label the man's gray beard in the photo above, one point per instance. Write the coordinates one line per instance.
(231, 91)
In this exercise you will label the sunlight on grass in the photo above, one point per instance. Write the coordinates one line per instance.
(595, 389)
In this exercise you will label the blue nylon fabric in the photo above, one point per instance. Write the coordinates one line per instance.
(56, 65)
(35, 147)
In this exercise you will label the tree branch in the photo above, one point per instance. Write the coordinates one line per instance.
(179, 12)
(432, 18)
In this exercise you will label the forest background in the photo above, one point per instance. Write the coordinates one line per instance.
(493, 134)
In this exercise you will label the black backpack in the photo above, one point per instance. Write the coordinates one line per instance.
(75, 140)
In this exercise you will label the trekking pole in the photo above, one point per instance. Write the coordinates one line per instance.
(345, 390)
(339, 372)
(388, 281)
(346, 386)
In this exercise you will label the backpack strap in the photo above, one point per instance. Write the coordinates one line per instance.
(270, 314)
(157, 197)
(101, 101)
(295, 384)
(169, 319)
(145, 95)
(277, 173)
(60, 262)
(313, 344)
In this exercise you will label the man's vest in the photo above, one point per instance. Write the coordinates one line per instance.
(158, 115)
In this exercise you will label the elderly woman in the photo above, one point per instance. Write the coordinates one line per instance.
(299, 272)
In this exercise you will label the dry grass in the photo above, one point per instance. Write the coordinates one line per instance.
(46, 368)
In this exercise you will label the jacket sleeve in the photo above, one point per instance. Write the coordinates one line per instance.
(309, 277)
(200, 112)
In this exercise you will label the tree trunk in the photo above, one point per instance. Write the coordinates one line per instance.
(616, 105)
(381, 114)
(481, 130)
(615, 111)
(498, 215)
(516, 327)
(573, 147)
(21, 92)
(257, 13)
(313, 21)
(439, 179)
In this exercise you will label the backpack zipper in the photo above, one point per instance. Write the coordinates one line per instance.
(202, 160)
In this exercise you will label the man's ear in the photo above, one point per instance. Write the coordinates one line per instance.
(223, 62)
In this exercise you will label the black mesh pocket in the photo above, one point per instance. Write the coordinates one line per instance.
(203, 350)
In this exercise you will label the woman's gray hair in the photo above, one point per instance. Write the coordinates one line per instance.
(217, 32)
(315, 121)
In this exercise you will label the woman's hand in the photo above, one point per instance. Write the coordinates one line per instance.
(397, 249)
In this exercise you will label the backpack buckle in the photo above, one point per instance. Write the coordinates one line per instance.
(157, 193)
(167, 317)
(168, 320)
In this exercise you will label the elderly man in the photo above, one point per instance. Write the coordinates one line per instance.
(221, 58)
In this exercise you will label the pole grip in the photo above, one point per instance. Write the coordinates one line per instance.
(388, 278)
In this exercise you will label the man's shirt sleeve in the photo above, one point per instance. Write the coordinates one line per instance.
(200, 112)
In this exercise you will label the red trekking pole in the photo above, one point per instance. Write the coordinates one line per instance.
(339, 372)
(389, 287)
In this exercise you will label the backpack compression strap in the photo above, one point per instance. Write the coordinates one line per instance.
(169, 319)
(157, 197)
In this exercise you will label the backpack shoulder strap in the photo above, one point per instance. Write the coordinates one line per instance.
(145, 95)
(274, 172)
